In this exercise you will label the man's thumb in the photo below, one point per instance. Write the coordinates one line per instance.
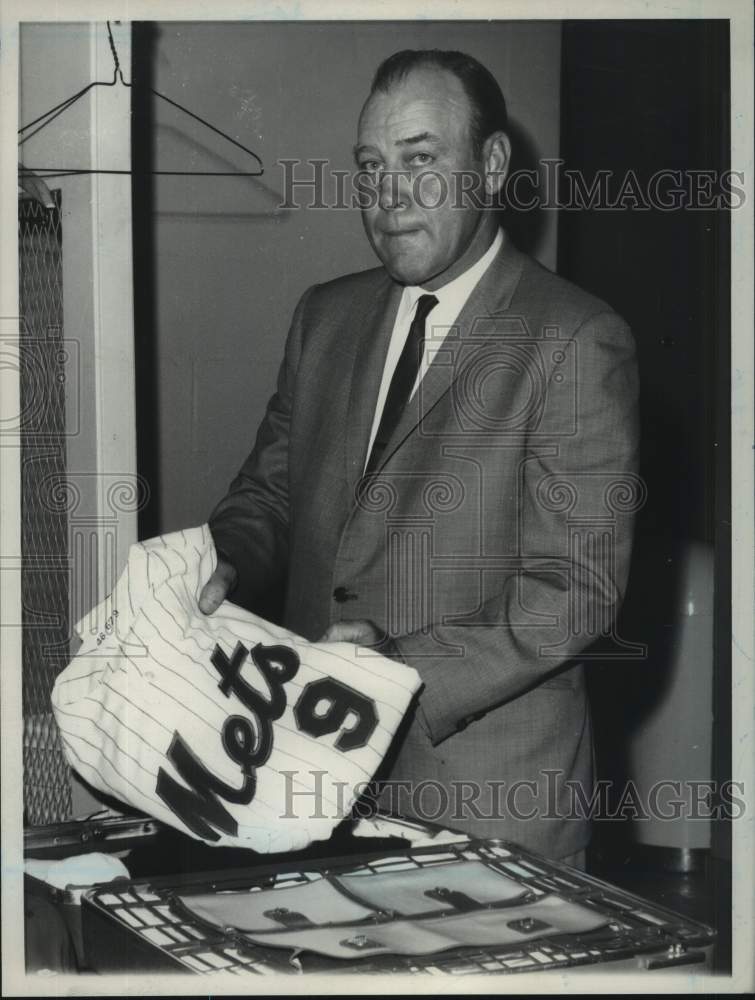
(216, 589)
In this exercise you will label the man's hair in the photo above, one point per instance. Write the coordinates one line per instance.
(485, 97)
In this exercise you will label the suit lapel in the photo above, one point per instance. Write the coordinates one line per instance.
(491, 296)
(370, 349)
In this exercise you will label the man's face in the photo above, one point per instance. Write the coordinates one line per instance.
(420, 128)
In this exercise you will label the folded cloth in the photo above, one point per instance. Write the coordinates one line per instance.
(227, 727)
(80, 869)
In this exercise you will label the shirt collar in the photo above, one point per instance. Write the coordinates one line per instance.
(461, 287)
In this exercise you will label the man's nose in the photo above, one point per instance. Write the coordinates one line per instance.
(395, 190)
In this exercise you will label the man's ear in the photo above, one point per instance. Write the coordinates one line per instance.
(496, 158)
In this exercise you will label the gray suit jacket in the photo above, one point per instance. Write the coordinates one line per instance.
(493, 542)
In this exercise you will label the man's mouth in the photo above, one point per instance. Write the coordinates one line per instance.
(400, 232)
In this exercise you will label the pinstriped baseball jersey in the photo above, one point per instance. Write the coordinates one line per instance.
(226, 726)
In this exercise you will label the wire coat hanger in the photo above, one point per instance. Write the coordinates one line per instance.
(50, 115)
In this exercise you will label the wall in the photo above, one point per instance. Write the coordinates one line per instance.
(229, 265)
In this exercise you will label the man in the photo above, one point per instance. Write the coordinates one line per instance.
(472, 517)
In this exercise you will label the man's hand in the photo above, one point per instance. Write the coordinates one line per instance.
(217, 588)
(363, 633)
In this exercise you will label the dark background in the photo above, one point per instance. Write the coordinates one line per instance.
(649, 96)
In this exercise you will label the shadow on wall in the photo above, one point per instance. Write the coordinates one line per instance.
(270, 200)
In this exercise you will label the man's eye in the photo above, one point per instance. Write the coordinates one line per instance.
(421, 159)
(371, 166)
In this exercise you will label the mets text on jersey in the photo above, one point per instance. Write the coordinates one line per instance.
(323, 707)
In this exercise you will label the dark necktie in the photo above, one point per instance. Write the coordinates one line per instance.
(403, 380)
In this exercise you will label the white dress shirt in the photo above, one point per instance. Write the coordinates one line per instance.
(451, 300)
